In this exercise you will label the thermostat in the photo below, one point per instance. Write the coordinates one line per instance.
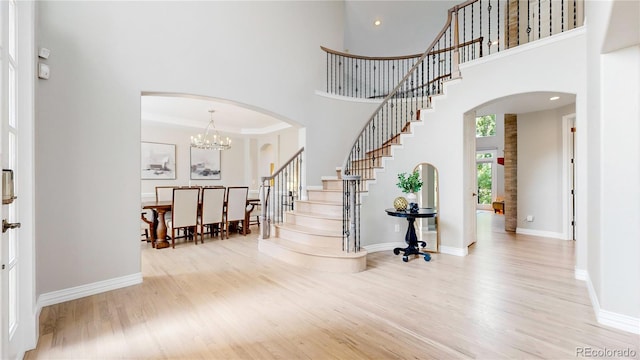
(43, 71)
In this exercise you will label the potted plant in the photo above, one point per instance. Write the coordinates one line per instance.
(410, 185)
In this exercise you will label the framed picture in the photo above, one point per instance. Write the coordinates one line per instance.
(205, 164)
(158, 161)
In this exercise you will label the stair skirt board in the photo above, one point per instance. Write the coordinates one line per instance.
(355, 262)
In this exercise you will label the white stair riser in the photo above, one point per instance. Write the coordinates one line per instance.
(328, 196)
(314, 222)
(312, 240)
(319, 208)
(332, 184)
(309, 261)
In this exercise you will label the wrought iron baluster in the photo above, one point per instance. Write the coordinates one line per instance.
(562, 15)
(489, 28)
(539, 17)
(528, 21)
(550, 20)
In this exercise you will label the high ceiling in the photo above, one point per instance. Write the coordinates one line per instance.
(193, 111)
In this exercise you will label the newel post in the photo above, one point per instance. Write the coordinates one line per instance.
(455, 70)
(265, 220)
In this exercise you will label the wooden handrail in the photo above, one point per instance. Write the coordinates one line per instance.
(361, 57)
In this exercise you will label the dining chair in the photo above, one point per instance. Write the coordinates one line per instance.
(212, 211)
(184, 212)
(164, 193)
(236, 201)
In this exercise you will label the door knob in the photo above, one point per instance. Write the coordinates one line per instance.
(7, 225)
(474, 194)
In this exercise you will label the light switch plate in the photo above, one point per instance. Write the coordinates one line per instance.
(43, 71)
(44, 53)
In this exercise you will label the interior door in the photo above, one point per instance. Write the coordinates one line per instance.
(17, 300)
(470, 184)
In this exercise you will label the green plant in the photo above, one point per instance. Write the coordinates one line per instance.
(411, 183)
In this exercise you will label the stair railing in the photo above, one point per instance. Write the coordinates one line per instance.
(278, 193)
(502, 29)
(482, 27)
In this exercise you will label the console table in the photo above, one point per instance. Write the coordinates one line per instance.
(411, 238)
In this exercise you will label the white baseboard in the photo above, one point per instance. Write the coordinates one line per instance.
(450, 250)
(56, 297)
(541, 233)
(581, 274)
(605, 317)
(619, 321)
(384, 246)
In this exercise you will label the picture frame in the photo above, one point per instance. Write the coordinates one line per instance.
(158, 161)
(205, 164)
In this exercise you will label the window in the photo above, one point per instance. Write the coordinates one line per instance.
(486, 126)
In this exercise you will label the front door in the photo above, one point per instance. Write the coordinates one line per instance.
(17, 312)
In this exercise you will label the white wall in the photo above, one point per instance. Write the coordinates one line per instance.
(611, 138)
(103, 56)
(540, 171)
(620, 200)
(440, 140)
(415, 22)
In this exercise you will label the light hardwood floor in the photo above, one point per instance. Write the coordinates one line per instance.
(513, 297)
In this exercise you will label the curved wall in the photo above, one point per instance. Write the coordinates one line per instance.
(440, 140)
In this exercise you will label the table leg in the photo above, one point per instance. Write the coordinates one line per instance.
(161, 230)
(412, 241)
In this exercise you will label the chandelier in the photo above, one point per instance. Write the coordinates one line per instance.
(211, 139)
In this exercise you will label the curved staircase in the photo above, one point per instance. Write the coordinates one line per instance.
(311, 234)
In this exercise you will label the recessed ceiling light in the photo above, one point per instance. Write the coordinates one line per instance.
(554, 98)
(377, 23)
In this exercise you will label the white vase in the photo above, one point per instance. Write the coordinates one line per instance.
(412, 199)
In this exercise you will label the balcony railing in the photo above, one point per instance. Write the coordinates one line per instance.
(278, 193)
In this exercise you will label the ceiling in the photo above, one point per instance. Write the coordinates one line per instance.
(193, 111)
(524, 103)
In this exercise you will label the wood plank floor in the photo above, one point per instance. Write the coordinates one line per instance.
(514, 296)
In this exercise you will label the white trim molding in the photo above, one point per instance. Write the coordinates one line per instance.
(605, 317)
(384, 246)
(450, 250)
(541, 233)
(56, 297)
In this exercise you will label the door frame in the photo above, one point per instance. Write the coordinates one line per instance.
(494, 174)
(568, 176)
(26, 332)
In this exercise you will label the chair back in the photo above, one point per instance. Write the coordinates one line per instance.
(184, 210)
(213, 205)
(164, 193)
(236, 202)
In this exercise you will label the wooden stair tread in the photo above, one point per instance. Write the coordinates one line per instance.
(309, 230)
(315, 251)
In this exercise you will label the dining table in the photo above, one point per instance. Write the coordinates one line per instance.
(158, 235)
